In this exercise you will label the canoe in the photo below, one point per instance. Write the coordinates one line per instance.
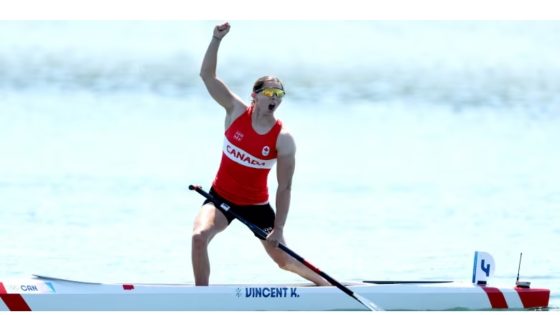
(43, 293)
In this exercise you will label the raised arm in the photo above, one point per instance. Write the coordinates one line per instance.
(217, 89)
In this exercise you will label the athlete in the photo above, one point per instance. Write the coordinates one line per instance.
(254, 141)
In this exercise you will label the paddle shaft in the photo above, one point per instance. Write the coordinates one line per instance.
(260, 232)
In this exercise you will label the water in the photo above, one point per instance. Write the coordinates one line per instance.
(418, 143)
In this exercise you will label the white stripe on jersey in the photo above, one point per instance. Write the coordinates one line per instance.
(244, 158)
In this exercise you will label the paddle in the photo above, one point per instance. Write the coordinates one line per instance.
(367, 303)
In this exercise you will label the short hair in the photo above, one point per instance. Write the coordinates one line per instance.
(260, 82)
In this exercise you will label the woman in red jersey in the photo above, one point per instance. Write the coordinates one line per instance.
(254, 141)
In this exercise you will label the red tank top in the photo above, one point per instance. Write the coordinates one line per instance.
(246, 161)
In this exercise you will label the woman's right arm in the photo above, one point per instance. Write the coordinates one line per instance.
(217, 89)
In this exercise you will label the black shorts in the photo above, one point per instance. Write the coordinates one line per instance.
(260, 215)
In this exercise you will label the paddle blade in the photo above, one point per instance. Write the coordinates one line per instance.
(367, 303)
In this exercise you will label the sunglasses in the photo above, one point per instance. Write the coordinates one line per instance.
(269, 92)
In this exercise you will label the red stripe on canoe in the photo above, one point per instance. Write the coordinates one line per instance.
(533, 297)
(14, 302)
(128, 287)
(496, 297)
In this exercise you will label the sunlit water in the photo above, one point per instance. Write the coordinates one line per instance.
(418, 143)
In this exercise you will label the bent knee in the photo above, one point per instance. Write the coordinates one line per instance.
(200, 238)
(285, 266)
(284, 263)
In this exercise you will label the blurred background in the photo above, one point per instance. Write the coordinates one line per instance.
(419, 142)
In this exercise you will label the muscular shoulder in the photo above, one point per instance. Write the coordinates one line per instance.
(236, 110)
(285, 145)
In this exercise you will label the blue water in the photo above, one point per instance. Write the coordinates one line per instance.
(418, 143)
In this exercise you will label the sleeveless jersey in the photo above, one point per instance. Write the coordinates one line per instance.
(247, 158)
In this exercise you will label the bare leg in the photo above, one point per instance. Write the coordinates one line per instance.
(207, 224)
(288, 263)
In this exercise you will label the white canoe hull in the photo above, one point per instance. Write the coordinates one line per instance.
(50, 294)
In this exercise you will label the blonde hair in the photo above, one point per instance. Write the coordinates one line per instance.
(260, 82)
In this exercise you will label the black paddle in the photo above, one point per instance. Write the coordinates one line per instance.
(367, 303)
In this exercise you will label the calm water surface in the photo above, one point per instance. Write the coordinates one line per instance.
(417, 147)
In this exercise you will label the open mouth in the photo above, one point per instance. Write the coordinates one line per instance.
(271, 106)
